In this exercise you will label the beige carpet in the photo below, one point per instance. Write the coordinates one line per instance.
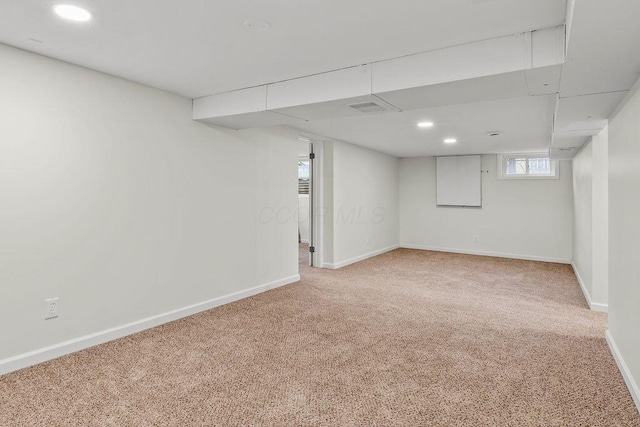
(303, 254)
(409, 338)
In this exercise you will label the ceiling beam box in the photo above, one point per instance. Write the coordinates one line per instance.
(329, 94)
(251, 120)
(548, 47)
(346, 83)
(543, 80)
(571, 6)
(250, 100)
(472, 60)
(468, 61)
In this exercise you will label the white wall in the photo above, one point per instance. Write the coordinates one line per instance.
(600, 198)
(325, 213)
(591, 207)
(583, 222)
(519, 218)
(362, 197)
(115, 201)
(624, 235)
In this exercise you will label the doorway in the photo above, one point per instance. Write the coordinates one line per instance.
(306, 199)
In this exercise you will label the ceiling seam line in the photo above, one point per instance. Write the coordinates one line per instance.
(596, 93)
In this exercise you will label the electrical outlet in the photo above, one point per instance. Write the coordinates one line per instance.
(475, 239)
(51, 308)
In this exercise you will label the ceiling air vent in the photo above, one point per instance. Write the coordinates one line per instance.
(368, 107)
(371, 107)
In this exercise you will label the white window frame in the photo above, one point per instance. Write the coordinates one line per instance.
(502, 166)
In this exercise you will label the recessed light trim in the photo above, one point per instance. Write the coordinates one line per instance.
(73, 13)
(425, 124)
(450, 141)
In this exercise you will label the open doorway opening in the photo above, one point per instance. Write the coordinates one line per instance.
(304, 203)
(306, 188)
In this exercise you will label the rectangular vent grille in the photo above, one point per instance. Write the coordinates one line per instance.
(368, 107)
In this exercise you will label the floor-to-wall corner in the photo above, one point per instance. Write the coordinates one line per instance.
(527, 219)
(600, 217)
(361, 201)
(590, 236)
(128, 211)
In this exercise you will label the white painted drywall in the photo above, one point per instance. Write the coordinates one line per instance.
(325, 214)
(600, 217)
(591, 210)
(519, 218)
(363, 203)
(583, 222)
(115, 201)
(624, 232)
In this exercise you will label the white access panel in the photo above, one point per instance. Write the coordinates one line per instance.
(459, 181)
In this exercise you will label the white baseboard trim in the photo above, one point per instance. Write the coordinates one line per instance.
(624, 370)
(602, 308)
(359, 258)
(34, 357)
(595, 306)
(485, 253)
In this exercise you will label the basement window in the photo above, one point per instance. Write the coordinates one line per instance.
(303, 177)
(527, 166)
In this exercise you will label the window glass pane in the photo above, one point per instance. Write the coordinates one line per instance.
(303, 169)
(516, 166)
(540, 166)
(303, 177)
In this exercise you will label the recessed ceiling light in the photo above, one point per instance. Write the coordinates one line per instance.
(450, 141)
(72, 13)
(425, 124)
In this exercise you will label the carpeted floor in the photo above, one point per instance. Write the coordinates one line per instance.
(303, 254)
(409, 338)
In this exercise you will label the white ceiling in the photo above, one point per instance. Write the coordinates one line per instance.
(199, 47)
(524, 123)
(602, 65)
(603, 48)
